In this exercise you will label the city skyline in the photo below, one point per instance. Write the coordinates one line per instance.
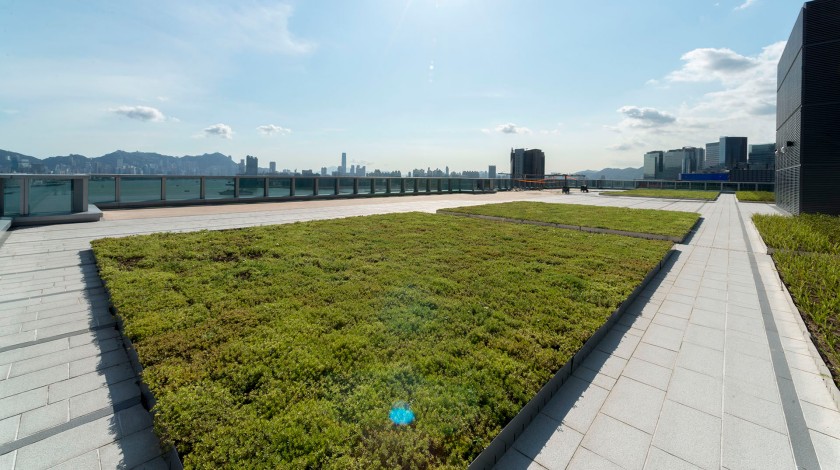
(437, 82)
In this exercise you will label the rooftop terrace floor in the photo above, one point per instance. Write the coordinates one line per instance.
(709, 368)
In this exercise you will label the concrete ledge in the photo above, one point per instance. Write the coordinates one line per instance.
(5, 225)
(647, 236)
(93, 214)
(505, 439)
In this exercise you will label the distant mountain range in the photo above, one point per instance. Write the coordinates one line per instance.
(614, 173)
(210, 164)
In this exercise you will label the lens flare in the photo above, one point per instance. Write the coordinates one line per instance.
(401, 414)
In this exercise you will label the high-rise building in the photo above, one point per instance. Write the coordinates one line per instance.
(653, 164)
(527, 163)
(807, 135)
(251, 165)
(272, 167)
(491, 171)
(343, 169)
(712, 159)
(762, 156)
(672, 164)
(733, 152)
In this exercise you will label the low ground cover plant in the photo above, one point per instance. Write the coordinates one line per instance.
(290, 346)
(666, 193)
(807, 255)
(756, 196)
(817, 233)
(669, 223)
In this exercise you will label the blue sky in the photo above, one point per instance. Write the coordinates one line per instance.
(397, 84)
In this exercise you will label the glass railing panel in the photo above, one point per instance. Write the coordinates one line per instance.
(137, 189)
(304, 187)
(445, 184)
(50, 196)
(218, 188)
(396, 185)
(326, 186)
(380, 185)
(251, 187)
(183, 189)
(279, 187)
(422, 186)
(345, 185)
(729, 187)
(102, 189)
(11, 197)
(366, 186)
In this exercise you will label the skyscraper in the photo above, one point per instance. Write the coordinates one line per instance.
(491, 171)
(762, 156)
(733, 151)
(527, 163)
(712, 155)
(672, 164)
(653, 164)
(251, 165)
(342, 170)
(807, 135)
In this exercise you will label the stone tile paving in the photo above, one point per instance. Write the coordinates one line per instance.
(720, 373)
(647, 395)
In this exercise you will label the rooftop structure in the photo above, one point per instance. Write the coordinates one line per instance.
(807, 136)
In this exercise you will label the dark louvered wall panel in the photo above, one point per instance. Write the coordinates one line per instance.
(822, 21)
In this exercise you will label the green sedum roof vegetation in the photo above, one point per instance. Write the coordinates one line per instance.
(756, 196)
(669, 223)
(286, 346)
(666, 193)
(807, 256)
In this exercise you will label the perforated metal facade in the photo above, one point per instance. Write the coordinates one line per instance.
(808, 113)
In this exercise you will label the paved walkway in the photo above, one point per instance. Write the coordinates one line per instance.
(709, 368)
(690, 376)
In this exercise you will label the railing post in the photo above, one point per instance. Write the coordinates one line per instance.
(202, 191)
(292, 186)
(117, 188)
(79, 194)
(316, 186)
(265, 187)
(163, 188)
(356, 185)
(336, 186)
(236, 187)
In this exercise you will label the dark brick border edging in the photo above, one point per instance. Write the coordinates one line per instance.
(146, 398)
(516, 427)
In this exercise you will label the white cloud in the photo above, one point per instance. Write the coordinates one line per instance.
(629, 145)
(645, 117)
(745, 5)
(511, 128)
(270, 129)
(742, 102)
(709, 64)
(486, 131)
(221, 130)
(554, 131)
(140, 113)
(251, 26)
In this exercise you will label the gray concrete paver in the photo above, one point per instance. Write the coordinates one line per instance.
(617, 442)
(749, 446)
